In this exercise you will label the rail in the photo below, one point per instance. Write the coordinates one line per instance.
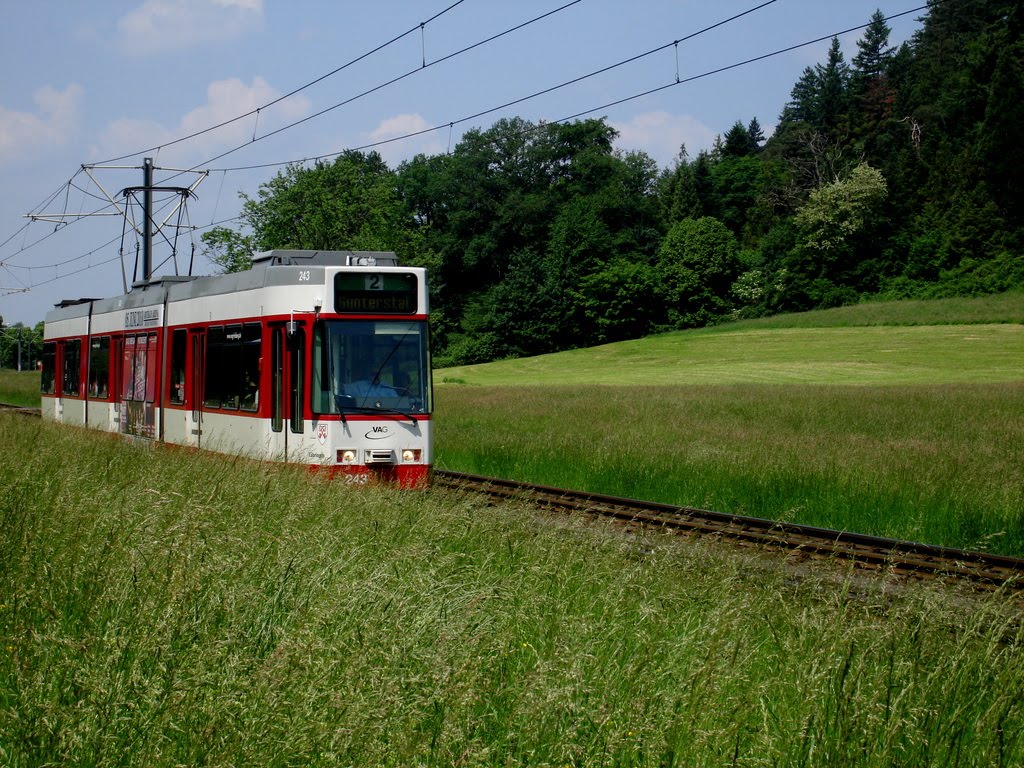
(912, 559)
(905, 558)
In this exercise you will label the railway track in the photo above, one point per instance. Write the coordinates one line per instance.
(20, 409)
(891, 556)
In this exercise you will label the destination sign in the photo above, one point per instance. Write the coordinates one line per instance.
(142, 318)
(373, 293)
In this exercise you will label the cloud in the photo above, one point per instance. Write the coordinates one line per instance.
(52, 125)
(160, 26)
(660, 135)
(431, 143)
(225, 99)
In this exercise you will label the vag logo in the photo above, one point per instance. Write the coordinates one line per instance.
(378, 433)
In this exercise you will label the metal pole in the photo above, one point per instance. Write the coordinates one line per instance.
(19, 349)
(147, 219)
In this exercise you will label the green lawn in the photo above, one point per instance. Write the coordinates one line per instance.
(866, 356)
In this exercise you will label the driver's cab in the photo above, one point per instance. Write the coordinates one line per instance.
(367, 366)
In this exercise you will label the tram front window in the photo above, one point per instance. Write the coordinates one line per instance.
(363, 366)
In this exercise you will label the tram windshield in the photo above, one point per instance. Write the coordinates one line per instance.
(362, 366)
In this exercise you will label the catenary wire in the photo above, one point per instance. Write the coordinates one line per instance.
(291, 93)
(385, 85)
(520, 100)
(536, 94)
(379, 87)
(105, 261)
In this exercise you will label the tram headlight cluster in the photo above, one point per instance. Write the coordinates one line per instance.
(351, 456)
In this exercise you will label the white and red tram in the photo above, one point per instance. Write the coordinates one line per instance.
(316, 357)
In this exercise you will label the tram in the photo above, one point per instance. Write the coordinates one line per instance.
(315, 357)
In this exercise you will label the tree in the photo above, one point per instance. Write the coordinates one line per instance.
(873, 50)
(737, 184)
(737, 141)
(833, 81)
(755, 134)
(21, 346)
(620, 301)
(803, 99)
(697, 264)
(999, 146)
(350, 204)
(834, 227)
(227, 249)
(869, 84)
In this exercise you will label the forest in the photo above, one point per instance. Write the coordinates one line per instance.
(893, 175)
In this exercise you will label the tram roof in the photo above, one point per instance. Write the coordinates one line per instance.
(180, 287)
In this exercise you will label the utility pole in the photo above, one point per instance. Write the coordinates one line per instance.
(147, 219)
(149, 226)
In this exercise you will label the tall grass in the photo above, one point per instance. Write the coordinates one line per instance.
(19, 388)
(172, 608)
(934, 464)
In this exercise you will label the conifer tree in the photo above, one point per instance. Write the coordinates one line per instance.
(755, 135)
(833, 82)
(873, 48)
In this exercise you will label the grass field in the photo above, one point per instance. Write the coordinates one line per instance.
(744, 354)
(19, 387)
(908, 430)
(161, 607)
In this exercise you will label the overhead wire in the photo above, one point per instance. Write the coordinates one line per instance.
(42, 204)
(291, 93)
(99, 263)
(449, 124)
(392, 81)
(676, 81)
(534, 95)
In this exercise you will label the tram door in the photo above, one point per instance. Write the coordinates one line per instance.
(287, 385)
(139, 375)
(197, 381)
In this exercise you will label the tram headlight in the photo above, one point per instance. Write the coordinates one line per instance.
(346, 455)
(411, 454)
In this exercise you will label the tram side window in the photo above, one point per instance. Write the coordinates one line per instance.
(72, 367)
(152, 368)
(250, 367)
(298, 385)
(128, 369)
(233, 367)
(99, 368)
(139, 379)
(47, 384)
(215, 367)
(179, 343)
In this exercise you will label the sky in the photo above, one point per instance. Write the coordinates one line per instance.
(105, 84)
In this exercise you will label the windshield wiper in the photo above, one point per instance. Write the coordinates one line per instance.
(380, 409)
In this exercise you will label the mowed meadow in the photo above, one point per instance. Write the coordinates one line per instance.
(870, 418)
(161, 607)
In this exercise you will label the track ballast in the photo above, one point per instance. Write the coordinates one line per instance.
(892, 556)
